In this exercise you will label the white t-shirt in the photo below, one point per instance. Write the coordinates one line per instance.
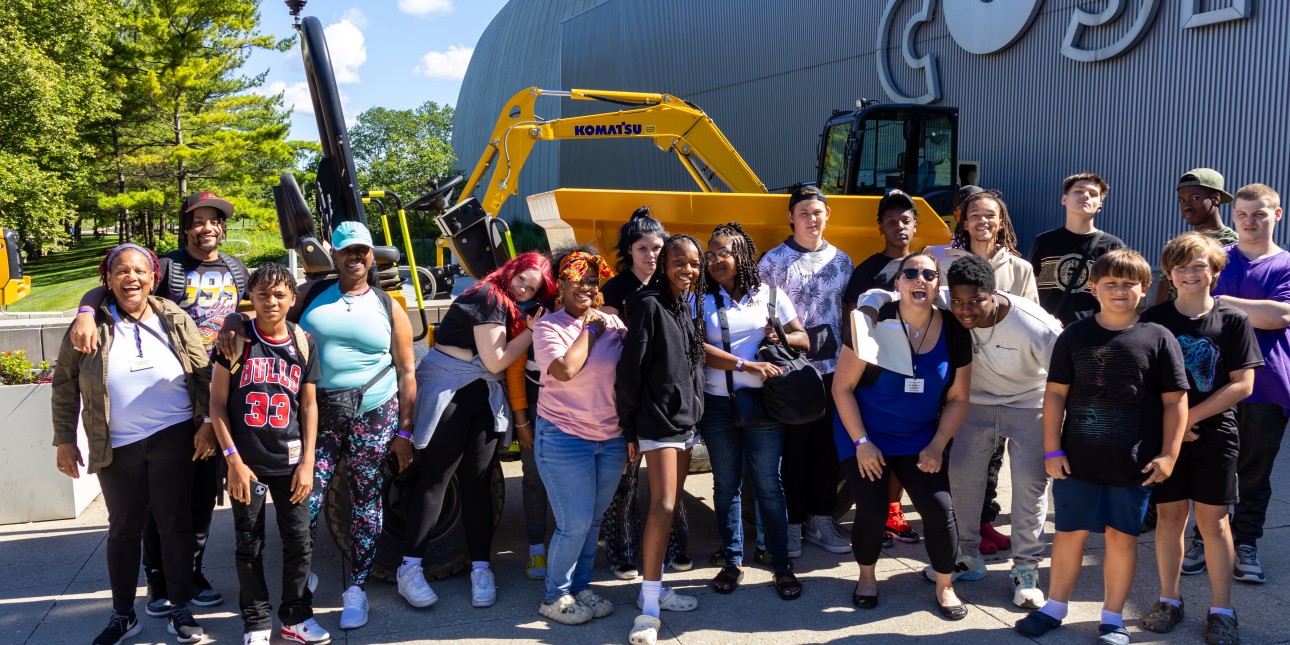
(747, 320)
(1011, 368)
(149, 395)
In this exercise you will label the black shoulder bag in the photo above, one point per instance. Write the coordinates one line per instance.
(746, 409)
(797, 395)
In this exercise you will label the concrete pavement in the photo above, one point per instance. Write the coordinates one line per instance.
(55, 591)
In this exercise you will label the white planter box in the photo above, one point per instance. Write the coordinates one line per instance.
(31, 488)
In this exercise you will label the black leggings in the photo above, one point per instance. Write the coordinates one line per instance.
(463, 443)
(930, 493)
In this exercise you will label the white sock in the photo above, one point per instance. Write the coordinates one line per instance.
(650, 592)
(537, 549)
(1171, 601)
(410, 562)
(1224, 611)
(1112, 618)
(1055, 609)
(478, 564)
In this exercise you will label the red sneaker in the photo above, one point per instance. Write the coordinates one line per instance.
(898, 527)
(1000, 541)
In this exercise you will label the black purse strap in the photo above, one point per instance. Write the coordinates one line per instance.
(725, 344)
(774, 321)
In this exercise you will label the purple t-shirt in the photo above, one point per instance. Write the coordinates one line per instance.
(583, 406)
(1265, 279)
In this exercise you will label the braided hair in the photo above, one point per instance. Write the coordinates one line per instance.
(680, 307)
(1007, 237)
(745, 252)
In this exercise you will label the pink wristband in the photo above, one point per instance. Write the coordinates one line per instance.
(1055, 453)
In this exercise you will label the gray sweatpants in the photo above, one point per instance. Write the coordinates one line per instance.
(970, 457)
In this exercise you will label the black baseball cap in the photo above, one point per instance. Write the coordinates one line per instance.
(806, 193)
(897, 201)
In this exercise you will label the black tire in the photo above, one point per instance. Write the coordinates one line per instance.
(445, 555)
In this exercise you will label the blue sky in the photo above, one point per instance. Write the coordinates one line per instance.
(396, 54)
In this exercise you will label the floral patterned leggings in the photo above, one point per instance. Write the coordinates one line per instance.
(363, 447)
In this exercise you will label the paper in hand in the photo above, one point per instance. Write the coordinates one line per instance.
(883, 344)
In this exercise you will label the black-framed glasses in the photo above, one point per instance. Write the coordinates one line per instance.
(912, 274)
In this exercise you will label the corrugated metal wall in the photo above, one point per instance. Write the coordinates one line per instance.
(770, 72)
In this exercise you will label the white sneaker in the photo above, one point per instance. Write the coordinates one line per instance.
(821, 532)
(1025, 584)
(413, 586)
(794, 540)
(591, 600)
(483, 589)
(566, 611)
(262, 637)
(966, 568)
(312, 582)
(353, 613)
(308, 632)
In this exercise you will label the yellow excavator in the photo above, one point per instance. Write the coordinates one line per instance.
(862, 154)
(14, 286)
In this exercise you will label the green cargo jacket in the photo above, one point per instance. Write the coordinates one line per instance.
(82, 378)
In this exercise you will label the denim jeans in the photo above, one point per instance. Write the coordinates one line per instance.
(581, 477)
(731, 449)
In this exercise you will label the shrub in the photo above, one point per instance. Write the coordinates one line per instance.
(15, 369)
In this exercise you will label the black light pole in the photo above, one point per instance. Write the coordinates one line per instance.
(296, 6)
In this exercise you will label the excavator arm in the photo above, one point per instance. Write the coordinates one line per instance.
(675, 125)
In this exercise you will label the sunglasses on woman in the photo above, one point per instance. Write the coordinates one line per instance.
(912, 274)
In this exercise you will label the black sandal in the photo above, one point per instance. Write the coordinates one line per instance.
(728, 579)
(787, 586)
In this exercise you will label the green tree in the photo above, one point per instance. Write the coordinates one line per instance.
(51, 86)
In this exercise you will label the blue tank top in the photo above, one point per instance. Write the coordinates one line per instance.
(353, 336)
(899, 423)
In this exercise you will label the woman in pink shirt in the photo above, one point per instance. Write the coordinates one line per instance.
(580, 450)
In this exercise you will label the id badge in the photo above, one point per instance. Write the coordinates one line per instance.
(138, 364)
(913, 386)
(293, 451)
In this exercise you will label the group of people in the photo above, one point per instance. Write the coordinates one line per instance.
(598, 367)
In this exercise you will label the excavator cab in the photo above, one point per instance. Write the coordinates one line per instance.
(880, 147)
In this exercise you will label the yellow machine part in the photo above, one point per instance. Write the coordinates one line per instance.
(15, 290)
(594, 216)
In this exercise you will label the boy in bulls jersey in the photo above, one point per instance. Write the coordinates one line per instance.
(266, 420)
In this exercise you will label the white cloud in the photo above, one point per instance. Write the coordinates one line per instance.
(448, 65)
(424, 7)
(294, 96)
(347, 47)
(356, 16)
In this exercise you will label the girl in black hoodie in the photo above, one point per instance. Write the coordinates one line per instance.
(660, 401)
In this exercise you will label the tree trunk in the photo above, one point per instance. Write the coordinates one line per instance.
(123, 228)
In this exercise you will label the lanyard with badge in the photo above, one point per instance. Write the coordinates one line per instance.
(139, 362)
(915, 385)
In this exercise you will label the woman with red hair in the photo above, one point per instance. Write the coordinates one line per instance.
(462, 411)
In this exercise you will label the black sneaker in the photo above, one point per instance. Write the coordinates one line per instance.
(119, 628)
(158, 605)
(204, 594)
(184, 626)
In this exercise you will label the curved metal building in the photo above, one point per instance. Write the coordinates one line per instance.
(1138, 91)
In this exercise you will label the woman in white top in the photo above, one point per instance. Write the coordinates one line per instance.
(739, 302)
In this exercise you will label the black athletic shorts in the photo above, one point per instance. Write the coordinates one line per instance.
(1205, 471)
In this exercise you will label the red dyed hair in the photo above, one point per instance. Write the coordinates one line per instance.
(500, 280)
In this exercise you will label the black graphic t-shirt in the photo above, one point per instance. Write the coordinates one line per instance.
(264, 402)
(1056, 258)
(478, 307)
(1213, 346)
(209, 295)
(876, 272)
(1114, 415)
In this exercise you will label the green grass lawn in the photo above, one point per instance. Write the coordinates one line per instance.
(60, 279)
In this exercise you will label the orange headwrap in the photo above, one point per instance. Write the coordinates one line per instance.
(575, 266)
